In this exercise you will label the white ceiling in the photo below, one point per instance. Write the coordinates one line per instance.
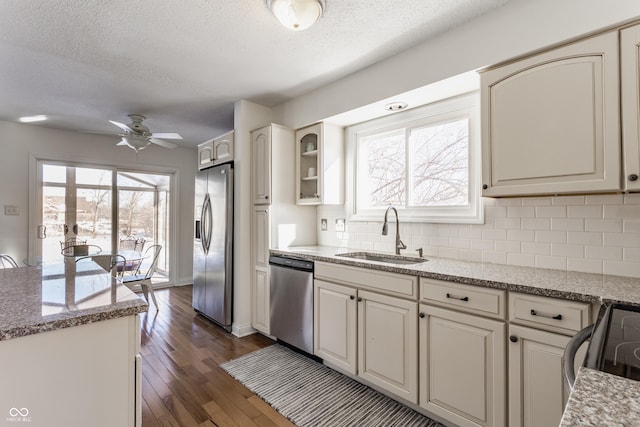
(184, 63)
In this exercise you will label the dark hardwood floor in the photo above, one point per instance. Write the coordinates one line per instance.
(182, 384)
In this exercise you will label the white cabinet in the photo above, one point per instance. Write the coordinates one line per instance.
(277, 222)
(630, 82)
(387, 344)
(320, 165)
(551, 122)
(87, 375)
(537, 393)
(539, 330)
(381, 330)
(462, 355)
(260, 252)
(216, 151)
(335, 333)
(261, 165)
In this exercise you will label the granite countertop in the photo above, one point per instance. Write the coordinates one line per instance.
(586, 287)
(601, 399)
(598, 398)
(56, 296)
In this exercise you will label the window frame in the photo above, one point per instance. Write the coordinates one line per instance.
(463, 106)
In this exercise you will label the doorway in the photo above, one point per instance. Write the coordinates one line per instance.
(106, 207)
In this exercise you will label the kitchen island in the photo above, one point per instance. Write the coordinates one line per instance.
(598, 398)
(69, 345)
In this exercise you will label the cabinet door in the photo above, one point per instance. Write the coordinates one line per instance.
(260, 261)
(223, 148)
(388, 344)
(261, 160)
(462, 367)
(630, 81)
(550, 122)
(205, 155)
(335, 324)
(308, 166)
(536, 387)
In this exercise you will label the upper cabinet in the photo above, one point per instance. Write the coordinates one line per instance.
(320, 165)
(630, 86)
(261, 165)
(551, 122)
(216, 151)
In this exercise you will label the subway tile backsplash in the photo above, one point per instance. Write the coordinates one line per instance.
(593, 234)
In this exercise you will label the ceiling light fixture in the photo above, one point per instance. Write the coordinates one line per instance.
(135, 142)
(396, 106)
(296, 15)
(31, 119)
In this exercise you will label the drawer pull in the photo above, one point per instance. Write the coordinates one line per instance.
(556, 317)
(458, 298)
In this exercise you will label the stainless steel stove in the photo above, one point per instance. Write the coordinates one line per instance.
(615, 342)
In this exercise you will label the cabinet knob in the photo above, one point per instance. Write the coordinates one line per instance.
(421, 315)
(485, 186)
(266, 197)
(351, 297)
(513, 338)
(359, 299)
(633, 177)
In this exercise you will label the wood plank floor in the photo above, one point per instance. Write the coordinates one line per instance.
(182, 384)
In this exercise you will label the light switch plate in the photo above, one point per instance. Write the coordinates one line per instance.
(340, 224)
(10, 210)
(323, 224)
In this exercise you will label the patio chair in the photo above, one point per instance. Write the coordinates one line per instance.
(6, 261)
(76, 247)
(139, 246)
(144, 279)
(128, 244)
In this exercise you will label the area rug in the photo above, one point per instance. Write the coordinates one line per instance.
(310, 394)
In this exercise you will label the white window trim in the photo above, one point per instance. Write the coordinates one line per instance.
(468, 105)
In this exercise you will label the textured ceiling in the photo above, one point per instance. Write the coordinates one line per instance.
(184, 63)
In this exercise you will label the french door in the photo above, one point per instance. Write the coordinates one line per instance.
(103, 206)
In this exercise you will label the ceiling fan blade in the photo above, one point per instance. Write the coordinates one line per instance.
(162, 143)
(166, 135)
(122, 126)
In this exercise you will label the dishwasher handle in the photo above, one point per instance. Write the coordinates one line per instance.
(292, 263)
(569, 356)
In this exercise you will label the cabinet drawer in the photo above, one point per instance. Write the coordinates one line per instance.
(389, 283)
(472, 299)
(551, 314)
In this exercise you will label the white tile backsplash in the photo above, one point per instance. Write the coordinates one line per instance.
(592, 234)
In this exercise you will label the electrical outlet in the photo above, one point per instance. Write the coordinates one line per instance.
(340, 224)
(323, 224)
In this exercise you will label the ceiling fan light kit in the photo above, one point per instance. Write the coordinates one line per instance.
(296, 15)
(138, 136)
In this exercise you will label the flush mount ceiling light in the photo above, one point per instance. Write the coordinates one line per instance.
(395, 106)
(296, 15)
(31, 119)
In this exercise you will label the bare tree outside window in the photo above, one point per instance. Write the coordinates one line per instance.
(437, 173)
(440, 164)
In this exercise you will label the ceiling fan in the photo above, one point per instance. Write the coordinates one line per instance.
(138, 136)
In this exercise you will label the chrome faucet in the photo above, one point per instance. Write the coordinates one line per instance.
(399, 244)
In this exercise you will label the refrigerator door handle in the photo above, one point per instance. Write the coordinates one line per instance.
(207, 218)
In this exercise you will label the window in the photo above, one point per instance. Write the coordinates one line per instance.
(424, 161)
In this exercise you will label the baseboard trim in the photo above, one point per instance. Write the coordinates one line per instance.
(242, 330)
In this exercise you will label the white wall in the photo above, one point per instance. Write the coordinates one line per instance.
(519, 27)
(18, 142)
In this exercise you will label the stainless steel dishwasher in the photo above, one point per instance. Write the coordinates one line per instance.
(291, 293)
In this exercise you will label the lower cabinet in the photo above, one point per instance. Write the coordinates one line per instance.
(387, 344)
(384, 329)
(260, 300)
(536, 389)
(462, 367)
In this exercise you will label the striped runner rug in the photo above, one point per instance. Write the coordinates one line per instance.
(311, 394)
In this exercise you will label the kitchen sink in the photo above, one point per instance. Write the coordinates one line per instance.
(388, 259)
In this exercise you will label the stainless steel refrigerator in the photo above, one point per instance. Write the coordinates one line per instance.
(213, 245)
